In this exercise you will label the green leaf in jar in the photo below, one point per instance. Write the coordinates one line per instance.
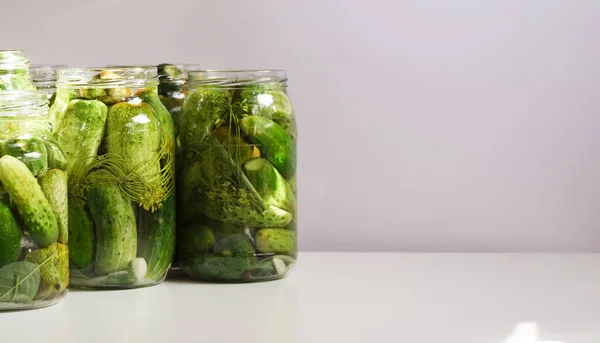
(19, 282)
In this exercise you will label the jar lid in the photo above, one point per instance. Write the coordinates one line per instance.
(237, 77)
(107, 77)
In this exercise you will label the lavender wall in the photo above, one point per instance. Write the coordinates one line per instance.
(460, 125)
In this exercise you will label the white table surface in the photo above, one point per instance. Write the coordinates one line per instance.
(345, 297)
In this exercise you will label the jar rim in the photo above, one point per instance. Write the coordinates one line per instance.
(45, 72)
(107, 77)
(236, 77)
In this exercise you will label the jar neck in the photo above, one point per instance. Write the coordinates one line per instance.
(14, 62)
(86, 78)
(24, 110)
(44, 75)
(276, 79)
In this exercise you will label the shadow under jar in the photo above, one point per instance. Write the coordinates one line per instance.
(120, 146)
(34, 257)
(237, 211)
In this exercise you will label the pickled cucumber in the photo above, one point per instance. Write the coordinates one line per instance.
(54, 270)
(133, 135)
(81, 132)
(277, 241)
(82, 235)
(10, 236)
(54, 187)
(273, 142)
(29, 150)
(114, 219)
(24, 190)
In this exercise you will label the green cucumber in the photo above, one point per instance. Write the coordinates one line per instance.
(54, 187)
(236, 147)
(10, 236)
(187, 191)
(238, 210)
(30, 150)
(82, 235)
(232, 255)
(276, 241)
(270, 185)
(156, 238)
(61, 101)
(273, 142)
(162, 113)
(202, 111)
(269, 103)
(114, 219)
(56, 157)
(212, 267)
(25, 192)
(81, 132)
(133, 135)
(195, 240)
(54, 270)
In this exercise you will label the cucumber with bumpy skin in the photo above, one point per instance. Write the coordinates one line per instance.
(133, 135)
(270, 185)
(56, 157)
(24, 190)
(81, 131)
(269, 103)
(10, 236)
(115, 224)
(156, 238)
(54, 270)
(273, 142)
(276, 241)
(54, 187)
(30, 150)
(82, 235)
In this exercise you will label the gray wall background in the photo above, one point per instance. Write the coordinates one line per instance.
(461, 125)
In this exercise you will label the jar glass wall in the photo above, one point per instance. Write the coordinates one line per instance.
(120, 146)
(172, 86)
(14, 71)
(237, 208)
(34, 256)
(43, 77)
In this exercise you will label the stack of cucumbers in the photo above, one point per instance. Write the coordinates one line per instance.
(34, 257)
(237, 211)
(119, 144)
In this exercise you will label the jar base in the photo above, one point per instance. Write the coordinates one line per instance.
(36, 304)
(109, 282)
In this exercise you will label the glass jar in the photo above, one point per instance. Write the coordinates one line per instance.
(14, 70)
(44, 78)
(171, 88)
(237, 212)
(34, 257)
(120, 146)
